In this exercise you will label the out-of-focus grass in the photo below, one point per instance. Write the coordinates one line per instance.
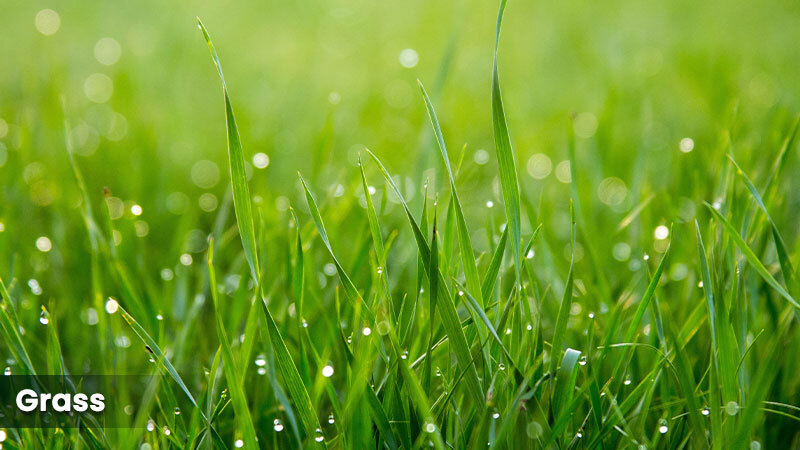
(653, 151)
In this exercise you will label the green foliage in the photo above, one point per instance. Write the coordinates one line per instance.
(374, 303)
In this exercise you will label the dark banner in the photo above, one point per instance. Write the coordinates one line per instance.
(106, 401)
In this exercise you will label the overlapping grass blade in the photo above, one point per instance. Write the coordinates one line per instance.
(464, 240)
(780, 245)
(229, 366)
(447, 309)
(244, 219)
(565, 380)
(751, 257)
(349, 287)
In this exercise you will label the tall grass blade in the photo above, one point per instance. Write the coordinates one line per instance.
(506, 160)
(241, 193)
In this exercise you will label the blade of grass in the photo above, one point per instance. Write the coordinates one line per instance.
(229, 366)
(464, 240)
(751, 257)
(566, 303)
(506, 160)
(241, 192)
(350, 289)
(447, 309)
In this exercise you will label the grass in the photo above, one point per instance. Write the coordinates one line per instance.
(621, 298)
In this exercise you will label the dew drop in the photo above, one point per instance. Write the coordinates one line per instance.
(404, 355)
(151, 426)
(662, 426)
(438, 372)
(319, 436)
(277, 425)
(331, 419)
(732, 408)
(327, 371)
(304, 323)
(44, 317)
(582, 361)
(7, 372)
(177, 411)
(166, 430)
(380, 270)
(238, 443)
(366, 331)
(496, 415)
(430, 427)
(529, 327)
(501, 366)
(705, 411)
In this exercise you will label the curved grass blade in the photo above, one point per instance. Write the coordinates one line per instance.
(479, 311)
(294, 384)
(244, 219)
(751, 257)
(780, 245)
(377, 239)
(229, 366)
(464, 240)
(565, 380)
(349, 288)
(241, 192)
(162, 360)
(506, 160)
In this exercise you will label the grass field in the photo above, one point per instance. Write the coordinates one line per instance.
(362, 241)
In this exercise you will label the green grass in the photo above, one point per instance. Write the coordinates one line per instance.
(598, 280)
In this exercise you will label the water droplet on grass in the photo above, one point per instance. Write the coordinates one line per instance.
(277, 425)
